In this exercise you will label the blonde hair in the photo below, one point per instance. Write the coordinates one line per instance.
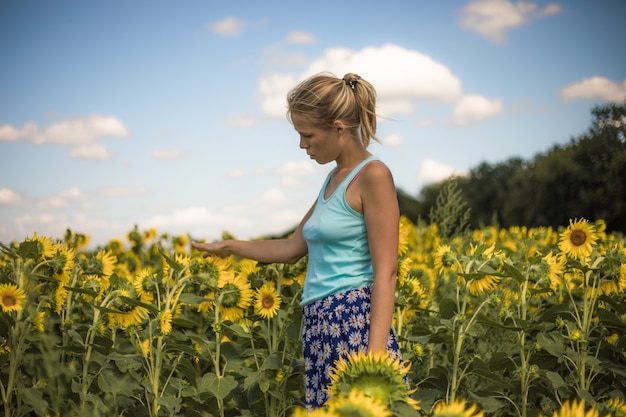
(324, 99)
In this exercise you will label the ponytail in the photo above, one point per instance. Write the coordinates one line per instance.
(324, 98)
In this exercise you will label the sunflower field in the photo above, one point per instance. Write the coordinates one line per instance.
(504, 322)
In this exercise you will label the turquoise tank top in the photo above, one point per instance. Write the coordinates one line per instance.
(339, 253)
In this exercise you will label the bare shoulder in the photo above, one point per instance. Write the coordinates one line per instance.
(377, 173)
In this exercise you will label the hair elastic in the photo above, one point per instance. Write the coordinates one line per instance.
(352, 83)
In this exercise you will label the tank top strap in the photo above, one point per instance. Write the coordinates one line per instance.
(356, 171)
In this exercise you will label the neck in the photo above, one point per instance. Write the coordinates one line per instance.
(352, 158)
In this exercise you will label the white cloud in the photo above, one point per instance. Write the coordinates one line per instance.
(424, 123)
(31, 224)
(62, 199)
(551, 9)
(595, 88)
(122, 191)
(242, 121)
(236, 173)
(299, 37)
(270, 197)
(492, 18)
(167, 153)
(198, 221)
(79, 130)
(400, 76)
(474, 108)
(230, 26)
(392, 141)
(99, 229)
(81, 133)
(273, 89)
(9, 197)
(277, 55)
(432, 172)
(296, 174)
(90, 151)
(386, 107)
(186, 217)
(10, 133)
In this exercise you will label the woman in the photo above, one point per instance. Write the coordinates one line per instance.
(350, 233)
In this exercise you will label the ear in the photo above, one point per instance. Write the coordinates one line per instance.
(340, 126)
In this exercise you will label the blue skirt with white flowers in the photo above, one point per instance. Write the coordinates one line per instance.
(335, 327)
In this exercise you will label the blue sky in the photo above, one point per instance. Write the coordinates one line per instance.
(172, 114)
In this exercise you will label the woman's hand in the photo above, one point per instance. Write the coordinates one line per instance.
(208, 249)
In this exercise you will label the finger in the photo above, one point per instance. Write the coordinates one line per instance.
(198, 245)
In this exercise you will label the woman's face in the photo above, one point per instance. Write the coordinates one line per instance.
(320, 144)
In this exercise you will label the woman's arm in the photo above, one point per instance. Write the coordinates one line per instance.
(382, 217)
(267, 251)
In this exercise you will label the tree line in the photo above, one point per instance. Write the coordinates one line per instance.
(584, 178)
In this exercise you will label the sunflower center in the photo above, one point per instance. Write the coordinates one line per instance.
(8, 300)
(578, 237)
(267, 301)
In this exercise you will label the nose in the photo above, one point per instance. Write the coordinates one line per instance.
(303, 144)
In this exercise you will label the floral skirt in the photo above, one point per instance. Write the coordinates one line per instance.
(335, 327)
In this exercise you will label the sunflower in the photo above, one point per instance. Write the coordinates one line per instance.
(413, 294)
(575, 408)
(614, 285)
(613, 272)
(115, 246)
(12, 298)
(377, 375)
(247, 267)
(406, 235)
(103, 264)
(165, 322)
(149, 234)
(576, 335)
(63, 265)
(45, 246)
(456, 409)
(294, 274)
(578, 239)
(617, 407)
(235, 296)
(479, 286)
(145, 348)
(62, 260)
(60, 295)
(127, 314)
(444, 258)
(146, 284)
(75, 241)
(97, 284)
(38, 323)
(267, 301)
(418, 350)
(611, 339)
(404, 269)
(182, 261)
(135, 238)
(555, 266)
(208, 272)
(4, 346)
(320, 412)
(357, 404)
(180, 243)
